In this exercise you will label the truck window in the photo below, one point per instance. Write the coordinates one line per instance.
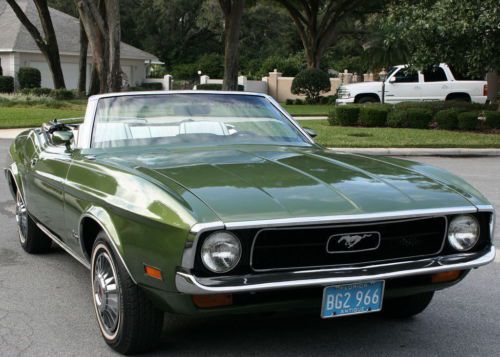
(434, 74)
(406, 75)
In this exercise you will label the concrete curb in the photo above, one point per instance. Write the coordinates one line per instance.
(311, 117)
(458, 152)
(11, 133)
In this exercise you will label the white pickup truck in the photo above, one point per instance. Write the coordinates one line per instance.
(404, 84)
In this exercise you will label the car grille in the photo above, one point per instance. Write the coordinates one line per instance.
(307, 247)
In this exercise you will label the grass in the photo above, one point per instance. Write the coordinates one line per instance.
(14, 117)
(308, 109)
(337, 136)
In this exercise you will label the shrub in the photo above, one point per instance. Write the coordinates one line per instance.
(39, 92)
(298, 101)
(332, 117)
(332, 99)
(311, 82)
(6, 84)
(437, 106)
(211, 64)
(215, 86)
(396, 118)
(152, 86)
(493, 120)
(447, 119)
(62, 94)
(289, 101)
(288, 66)
(468, 120)
(346, 115)
(29, 77)
(418, 118)
(373, 115)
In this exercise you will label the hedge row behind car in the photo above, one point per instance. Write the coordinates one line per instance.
(58, 94)
(464, 116)
(6, 84)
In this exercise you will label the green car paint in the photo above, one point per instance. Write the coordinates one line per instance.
(148, 198)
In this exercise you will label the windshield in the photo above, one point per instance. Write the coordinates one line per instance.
(191, 119)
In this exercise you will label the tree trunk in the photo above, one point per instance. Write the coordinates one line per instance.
(47, 44)
(493, 79)
(82, 65)
(233, 12)
(113, 22)
(94, 81)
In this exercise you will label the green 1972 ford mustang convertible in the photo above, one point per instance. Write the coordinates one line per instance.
(216, 202)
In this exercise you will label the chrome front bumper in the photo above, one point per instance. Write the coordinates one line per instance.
(190, 284)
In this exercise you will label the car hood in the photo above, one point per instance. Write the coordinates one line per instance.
(256, 182)
(363, 86)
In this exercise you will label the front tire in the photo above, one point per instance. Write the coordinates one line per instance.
(128, 321)
(407, 306)
(367, 99)
(32, 239)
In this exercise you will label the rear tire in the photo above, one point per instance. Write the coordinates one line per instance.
(407, 306)
(128, 321)
(32, 239)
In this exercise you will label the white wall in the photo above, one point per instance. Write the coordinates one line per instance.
(7, 60)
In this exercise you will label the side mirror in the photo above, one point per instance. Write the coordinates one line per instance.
(62, 137)
(392, 80)
(311, 132)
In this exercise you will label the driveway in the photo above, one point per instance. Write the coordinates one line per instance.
(46, 307)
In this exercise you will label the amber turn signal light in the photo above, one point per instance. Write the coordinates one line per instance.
(446, 276)
(153, 272)
(207, 301)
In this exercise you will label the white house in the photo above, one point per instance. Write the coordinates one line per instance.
(18, 49)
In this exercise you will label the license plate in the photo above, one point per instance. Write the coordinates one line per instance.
(352, 299)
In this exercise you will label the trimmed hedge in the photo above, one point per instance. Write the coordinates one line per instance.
(416, 118)
(62, 94)
(29, 77)
(437, 106)
(345, 115)
(6, 84)
(152, 86)
(492, 119)
(468, 120)
(447, 119)
(298, 101)
(373, 115)
(215, 86)
(37, 91)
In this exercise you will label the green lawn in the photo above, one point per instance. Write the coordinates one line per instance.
(308, 109)
(336, 136)
(25, 117)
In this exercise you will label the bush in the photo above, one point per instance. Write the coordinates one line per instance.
(373, 115)
(211, 64)
(396, 118)
(62, 94)
(39, 92)
(289, 101)
(298, 101)
(214, 86)
(468, 120)
(330, 99)
(493, 120)
(447, 119)
(437, 106)
(152, 86)
(287, 66)
(29, 78)
(345, 115)
(6, 84)
(311, 82)
(417, 118)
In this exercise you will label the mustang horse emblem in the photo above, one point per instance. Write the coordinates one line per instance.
(350, 240)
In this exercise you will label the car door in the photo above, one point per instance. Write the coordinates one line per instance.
(435, 85)
(403, 86)
(44, 183)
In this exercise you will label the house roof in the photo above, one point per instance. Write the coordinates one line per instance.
(14, 37)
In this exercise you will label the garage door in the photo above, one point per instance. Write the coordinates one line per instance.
(70, 72)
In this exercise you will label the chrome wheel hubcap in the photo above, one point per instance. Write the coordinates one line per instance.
(106, 293)
(21, 219)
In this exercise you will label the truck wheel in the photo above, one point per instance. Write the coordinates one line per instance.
(127, 319)
(32, 239)
(407, 306)
(367, 99)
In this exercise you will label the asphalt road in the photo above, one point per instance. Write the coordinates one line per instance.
(46, 307)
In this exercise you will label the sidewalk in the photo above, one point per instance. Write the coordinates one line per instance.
(10, 133)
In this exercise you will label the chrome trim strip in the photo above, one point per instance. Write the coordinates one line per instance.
(188, 256)
(189, 284)
(63, 245)
(333, 266)
(110, 240)
(201, 227)
(367, 217)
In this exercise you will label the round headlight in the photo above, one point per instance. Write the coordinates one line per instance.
(463, 232)
(221, 252)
